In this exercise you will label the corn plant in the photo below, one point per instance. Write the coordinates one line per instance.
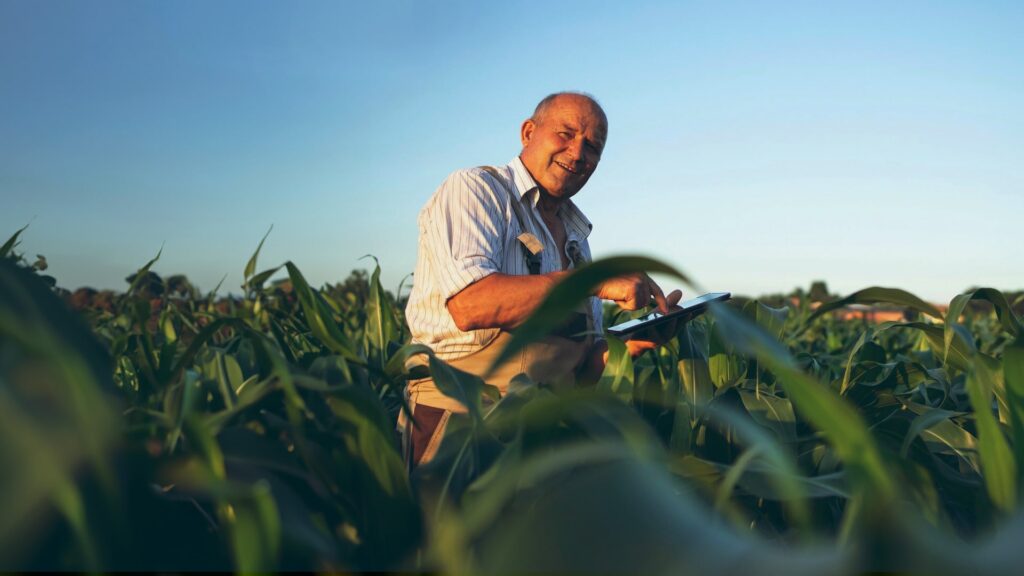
(170, 430)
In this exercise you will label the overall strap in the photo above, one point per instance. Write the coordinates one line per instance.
(529, 243)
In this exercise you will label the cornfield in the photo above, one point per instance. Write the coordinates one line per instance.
(168, 430)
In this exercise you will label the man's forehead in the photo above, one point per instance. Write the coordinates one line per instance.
(578, 114)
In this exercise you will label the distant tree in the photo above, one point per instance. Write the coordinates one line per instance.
(150, 285)
(355, 288)
(178, 285)
(819, 292)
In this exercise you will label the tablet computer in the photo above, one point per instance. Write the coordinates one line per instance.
(685, 311)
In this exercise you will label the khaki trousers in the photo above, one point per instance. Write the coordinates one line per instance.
(552, 361)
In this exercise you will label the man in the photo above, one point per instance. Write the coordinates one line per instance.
(493, 241)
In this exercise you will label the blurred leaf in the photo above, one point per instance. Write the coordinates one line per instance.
(694, 374)
(784, 475)
(56, 422)
(773, 320)
(585, 508)
(724, 365)
(8, 247)
(389, 523)
(997, 462)
(1013, 370)
(256, 530)
(464, 387)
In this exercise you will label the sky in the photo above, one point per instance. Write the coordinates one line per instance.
(756, 146)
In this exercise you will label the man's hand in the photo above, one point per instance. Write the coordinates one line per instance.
(635, 291)
(655, 337)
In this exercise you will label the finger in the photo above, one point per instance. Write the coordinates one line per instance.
(658, 295)
(637, 347)
(674, 297)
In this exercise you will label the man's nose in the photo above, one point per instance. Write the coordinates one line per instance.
(575, 149)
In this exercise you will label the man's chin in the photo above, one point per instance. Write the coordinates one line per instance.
(559, 188)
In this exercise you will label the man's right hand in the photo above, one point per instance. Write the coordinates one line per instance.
(635, 291)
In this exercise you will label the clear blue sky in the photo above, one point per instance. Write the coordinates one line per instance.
(756, 145)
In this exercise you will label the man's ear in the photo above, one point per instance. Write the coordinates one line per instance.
(526, 132)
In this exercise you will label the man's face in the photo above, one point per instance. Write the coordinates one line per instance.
(562, 149)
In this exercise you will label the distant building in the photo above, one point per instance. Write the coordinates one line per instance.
(880, 313)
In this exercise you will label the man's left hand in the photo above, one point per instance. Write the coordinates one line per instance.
(658, 336)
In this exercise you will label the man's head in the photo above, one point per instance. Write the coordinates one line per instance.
(563, 141)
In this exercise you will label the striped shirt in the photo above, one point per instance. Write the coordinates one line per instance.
(467, 230)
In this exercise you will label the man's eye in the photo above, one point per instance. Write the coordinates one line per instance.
(565, 135)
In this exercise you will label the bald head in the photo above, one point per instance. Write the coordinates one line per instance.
(545, 106)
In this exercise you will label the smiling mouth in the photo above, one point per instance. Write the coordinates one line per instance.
(566, 168)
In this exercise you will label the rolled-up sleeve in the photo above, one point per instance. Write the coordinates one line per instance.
(464, 230)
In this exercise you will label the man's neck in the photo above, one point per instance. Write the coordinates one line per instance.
(548, 204)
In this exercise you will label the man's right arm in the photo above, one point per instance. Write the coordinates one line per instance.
(505, 301)
(500, 300)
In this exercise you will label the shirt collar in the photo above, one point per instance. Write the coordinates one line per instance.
(575, 222)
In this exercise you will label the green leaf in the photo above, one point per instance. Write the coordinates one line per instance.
(250, 266)
(257, 281)
(998, 466)
(467, 388)
(596, 507)
(960, 352)
(724, 365)
(319, 317)
(1013, 372)
(771, 412)
(773, 320)
(1004, 312)
(573, 290)
(8, 246)
(923, 422)
(943, 436)
(784, 474)
(695, 377)
(618, 375)
(140, 275)
(255, 530)
(369, 467)
(381, 328)
(841, 423)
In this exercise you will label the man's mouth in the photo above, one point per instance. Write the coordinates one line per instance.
(566, 167)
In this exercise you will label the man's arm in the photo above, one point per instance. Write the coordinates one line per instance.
(500, 300)
(506, 301)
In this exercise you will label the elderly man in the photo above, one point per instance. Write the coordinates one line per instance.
(492, 243)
